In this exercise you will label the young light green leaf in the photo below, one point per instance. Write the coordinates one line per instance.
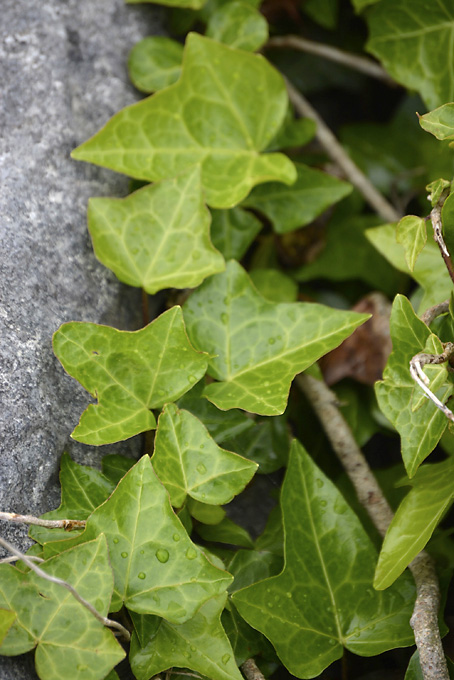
(82, 489)
(7, 618)
(226, 107)
(189, 462)
(222, 425)
(226, 532)
(421, 431)
(440, 122)
(416, 518)
(207, 514)
(129, 372)
(291, 207)
(157, 568)
(411, 232)
(323, 599)
(436, 188)
(274, 285)
(233, 231)
(199, 644)
(155, 63)
(412, 41)
(70, 642)
(362, 262)
(239, 25)
(428, 272)
(260, 345)
(115, 466)
(158, 237)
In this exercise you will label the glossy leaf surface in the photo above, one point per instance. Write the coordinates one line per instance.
(260, 345)
(155, 63)
(412, 41)
(428, 272)
(239, 25)
(323, 599)
(189, 462)
(157, 568)
(129, 372)
(295, 206)
(226, 107)
(200, 644)
(233, 231)
(157, 237)
(85, 648)
(82, 489)
(415, 520)
(420, 431)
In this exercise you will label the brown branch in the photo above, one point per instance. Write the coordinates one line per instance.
(349, 59)
(437, 310)
(67, 524)
(336, 152)
(416, 371)
(251, 671)
(424, 620)
(437, 225)
(54, 579)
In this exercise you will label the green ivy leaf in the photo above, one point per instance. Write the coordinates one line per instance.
(260, 345)
(157, 568)
(323, 599)
(412, 42)
(421, 431)
(202, 512)
(246, 642)
(250, 566)
(291, 207)
(436, 188)
(239, 25)
(205, 118)
(274, 285)
(440, 122)
(199, 644)
(115, 466)
(129, 372)
(411, 232)
(69, 641)
(82, 489)
(158, 237)
(363, 261)
(225, 532)
(233, 231)
(7, 618)
(294, 132)
(428, 272)
(155, 63)
(413, 524)
(222, 425)
(189, 462)
(324, 12)
(267, 443)
(359, 5)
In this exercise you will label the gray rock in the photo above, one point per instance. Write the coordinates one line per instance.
(62, 75)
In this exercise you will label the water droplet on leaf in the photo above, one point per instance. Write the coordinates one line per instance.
(124, 555)
(141, 575)
(201, 468)
(191, 553)
(162, 554)
(225, 658)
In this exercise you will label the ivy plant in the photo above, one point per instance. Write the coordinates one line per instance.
(268, 244)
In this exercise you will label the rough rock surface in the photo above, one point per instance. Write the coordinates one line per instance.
(62, 75)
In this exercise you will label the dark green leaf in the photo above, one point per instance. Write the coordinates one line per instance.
(226, 532)
(411, 232)
(274, 285)
(324, 599)
(115, 466)
(233, 231)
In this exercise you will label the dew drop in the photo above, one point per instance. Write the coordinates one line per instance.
(331, 641)
(224, 317)
(161, 392)
(141, 575)
(81, 667)
(192, 378)
(116, 540)
(142, 552)
(289, 595)
(319, 483)
(191, 553)
(176, 537)
(225, 658)
(202, 446)
(124, 555)
(271, 341)
(162, 554)
(196, 255)
(323, 504)
(193, 648)
(201, 468)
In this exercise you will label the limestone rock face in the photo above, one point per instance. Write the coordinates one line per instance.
(62, 75)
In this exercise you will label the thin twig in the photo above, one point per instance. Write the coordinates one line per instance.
(437, 225)
(251, 671)
(424, 620)
(13, 558)
(437, 310)
(67, 524)
(336, 152)
(416, 371)
(54, 579)
(354, 61)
